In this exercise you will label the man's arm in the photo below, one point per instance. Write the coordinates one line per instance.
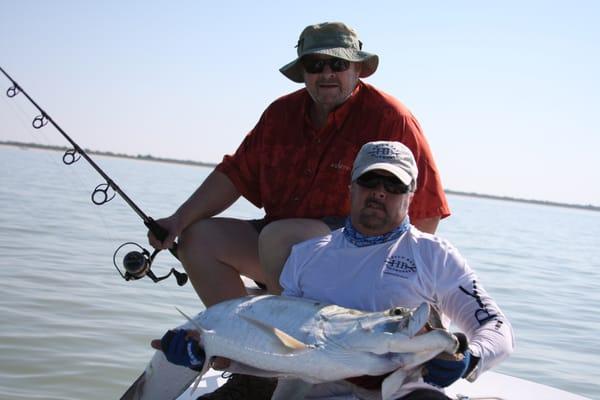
(428, 225)
(464, 299)
(213, 196)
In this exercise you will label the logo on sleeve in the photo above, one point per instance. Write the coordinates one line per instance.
(399, 266)
(484, 313)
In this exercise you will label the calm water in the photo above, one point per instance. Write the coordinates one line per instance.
(71, 328)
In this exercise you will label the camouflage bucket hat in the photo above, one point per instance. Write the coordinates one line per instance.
(333, 39)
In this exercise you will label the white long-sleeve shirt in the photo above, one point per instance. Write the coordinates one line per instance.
(417, 267)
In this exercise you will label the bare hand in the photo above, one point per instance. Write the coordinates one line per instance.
(219, 363)
(172, 226)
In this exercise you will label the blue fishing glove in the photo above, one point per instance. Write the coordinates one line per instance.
(182, 350)
(443, 373)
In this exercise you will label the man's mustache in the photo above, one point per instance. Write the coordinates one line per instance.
(371, 203)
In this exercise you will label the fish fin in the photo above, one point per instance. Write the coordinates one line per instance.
(392, 383)
(418, 319)
(411, 360)
(138, 385)
(196, 325)
(196, 384)
(288, 340)
(291, 389)
(207, 357)
(161, 380)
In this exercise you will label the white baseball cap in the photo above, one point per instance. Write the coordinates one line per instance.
(390, 156)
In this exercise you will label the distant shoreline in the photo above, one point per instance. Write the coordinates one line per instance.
(206, 164)
(147, 157)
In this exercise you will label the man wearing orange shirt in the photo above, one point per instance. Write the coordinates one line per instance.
(295, 163)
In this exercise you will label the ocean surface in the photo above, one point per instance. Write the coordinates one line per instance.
(72, 328)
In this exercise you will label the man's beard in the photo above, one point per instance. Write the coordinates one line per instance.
(371, 215)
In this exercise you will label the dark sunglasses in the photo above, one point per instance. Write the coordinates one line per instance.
(314, 65)
(391, 184)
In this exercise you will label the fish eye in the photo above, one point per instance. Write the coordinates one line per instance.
(396, 311)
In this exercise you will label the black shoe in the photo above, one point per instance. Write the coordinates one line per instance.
(243, 387)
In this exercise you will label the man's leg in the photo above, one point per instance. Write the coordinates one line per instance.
(215, 252)
(276, 241)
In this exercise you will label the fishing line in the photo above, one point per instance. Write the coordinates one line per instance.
(24, 128)
(137, 263)
(22, 117)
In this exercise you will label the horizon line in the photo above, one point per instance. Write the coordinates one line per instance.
(149, 157)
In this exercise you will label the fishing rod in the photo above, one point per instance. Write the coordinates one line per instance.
(137, 264)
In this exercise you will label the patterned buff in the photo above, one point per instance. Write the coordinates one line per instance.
(360, 240)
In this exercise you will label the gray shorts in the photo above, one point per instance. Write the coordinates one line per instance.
(332, 222)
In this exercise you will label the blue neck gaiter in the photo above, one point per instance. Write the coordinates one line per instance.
(360, 240)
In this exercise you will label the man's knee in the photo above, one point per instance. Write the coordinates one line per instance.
(287, 232)
(274, 234)
(193, 236)
(216, 238)
(275, 244)
(277, 238)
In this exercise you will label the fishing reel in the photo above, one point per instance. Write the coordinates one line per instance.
(137, 264)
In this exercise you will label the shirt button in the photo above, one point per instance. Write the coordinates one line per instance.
(296, 199)
(308, 171)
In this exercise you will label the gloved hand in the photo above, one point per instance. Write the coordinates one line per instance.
(181, 348)
(443, 373)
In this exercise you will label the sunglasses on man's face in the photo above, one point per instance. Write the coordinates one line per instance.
(391, 184)
(314, 65)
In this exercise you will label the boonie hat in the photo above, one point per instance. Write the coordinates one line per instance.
(393, 157)
(333, 39)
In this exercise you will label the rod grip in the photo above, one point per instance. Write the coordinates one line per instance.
(157, 230)
(161, 234)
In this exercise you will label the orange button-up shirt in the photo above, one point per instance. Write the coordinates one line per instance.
(293, 170)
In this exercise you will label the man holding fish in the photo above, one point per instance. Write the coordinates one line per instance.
(379, 260)
(295, 163)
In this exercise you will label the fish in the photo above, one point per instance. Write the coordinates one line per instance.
(302, 342)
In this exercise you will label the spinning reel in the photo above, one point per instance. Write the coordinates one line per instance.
(137, 264)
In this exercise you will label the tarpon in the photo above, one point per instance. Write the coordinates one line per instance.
(302, 342)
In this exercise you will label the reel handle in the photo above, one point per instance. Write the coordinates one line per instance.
(180, 277)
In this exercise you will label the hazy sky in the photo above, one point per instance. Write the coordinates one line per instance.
(507, 92)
